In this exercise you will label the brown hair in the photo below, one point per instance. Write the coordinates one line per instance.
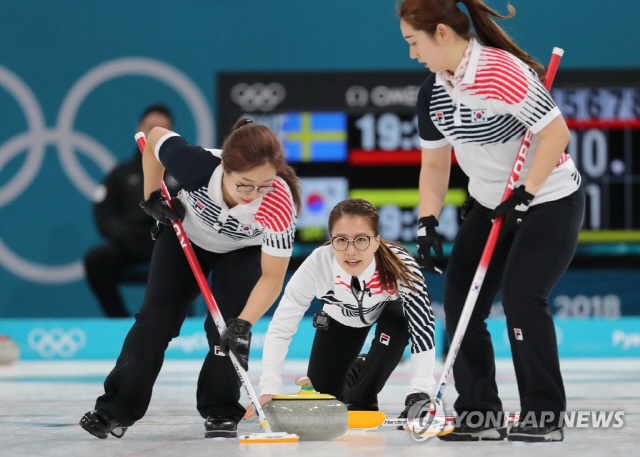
(390, 267)
(250, 145)
(427, 14)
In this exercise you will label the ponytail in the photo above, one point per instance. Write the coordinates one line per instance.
(491, 34)
(392, 269)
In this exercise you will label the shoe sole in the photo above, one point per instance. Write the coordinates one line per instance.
(555, 436)
(486, 435)
(220, 434)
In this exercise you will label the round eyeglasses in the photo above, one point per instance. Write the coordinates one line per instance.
(361, 243)
(247, 189)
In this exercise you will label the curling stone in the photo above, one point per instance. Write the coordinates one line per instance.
(9, 350)
(310, 415)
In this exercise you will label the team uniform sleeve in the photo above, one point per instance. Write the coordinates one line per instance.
(525, 97)
(277, 215)
(191, 166)
(430, 136)
(297, 297)
(416, 305)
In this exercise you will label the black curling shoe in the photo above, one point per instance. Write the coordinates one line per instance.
(533, 434)
(220, 427)
(100, 424)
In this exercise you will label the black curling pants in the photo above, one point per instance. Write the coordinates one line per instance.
(525, 269)
(335, 350)
(171, 290)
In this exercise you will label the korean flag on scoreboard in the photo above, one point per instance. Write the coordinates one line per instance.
(319, 196)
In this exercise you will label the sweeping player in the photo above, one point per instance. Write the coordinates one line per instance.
(238, 207)
(483, 95)
(362, 280)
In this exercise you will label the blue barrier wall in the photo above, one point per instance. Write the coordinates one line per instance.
(74, 77)
(72, 339)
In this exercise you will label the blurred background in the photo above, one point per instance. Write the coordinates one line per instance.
(333, 79)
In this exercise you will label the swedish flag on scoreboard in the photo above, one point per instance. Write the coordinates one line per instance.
(315, 137)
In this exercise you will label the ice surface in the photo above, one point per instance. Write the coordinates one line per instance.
(42, 402)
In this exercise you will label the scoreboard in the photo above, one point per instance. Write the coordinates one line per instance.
(355, 134)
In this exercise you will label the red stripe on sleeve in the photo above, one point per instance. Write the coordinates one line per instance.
(276, 209)
(499, 77)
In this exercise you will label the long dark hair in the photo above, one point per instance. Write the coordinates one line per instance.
(250, 145)
(390, 267)
(427, 14)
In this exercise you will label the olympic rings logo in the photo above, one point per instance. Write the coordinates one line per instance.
(57, 342)
(38, 136)
(258, 96)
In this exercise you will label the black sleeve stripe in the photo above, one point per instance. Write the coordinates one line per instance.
(427, 129)
(191, 166)
(416, 305)
(281, 240)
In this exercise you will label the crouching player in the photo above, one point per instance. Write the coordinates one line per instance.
(362, 280)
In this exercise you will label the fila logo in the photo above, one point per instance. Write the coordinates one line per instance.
(384, 339)
(518, 334)
(478, 115)
(199, 207)
(440, 117)
(218, 352)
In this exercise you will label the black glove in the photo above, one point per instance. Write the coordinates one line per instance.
(409, 402)
(428, 238)
(158, 208)
(237, 338)
(512, 216)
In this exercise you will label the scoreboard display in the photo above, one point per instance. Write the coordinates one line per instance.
(355, 134)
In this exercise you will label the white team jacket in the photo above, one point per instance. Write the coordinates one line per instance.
(321, 276)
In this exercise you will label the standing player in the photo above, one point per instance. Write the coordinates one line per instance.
(362, 280)
(482, 97)
(238, 209)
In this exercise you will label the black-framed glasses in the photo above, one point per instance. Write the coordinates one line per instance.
(361, 243)
(247, 189)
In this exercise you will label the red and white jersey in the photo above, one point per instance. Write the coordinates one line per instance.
(484, 118)
(269, 221)
(320, 276)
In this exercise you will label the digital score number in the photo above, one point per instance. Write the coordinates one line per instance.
(605, 136)
(383, 139)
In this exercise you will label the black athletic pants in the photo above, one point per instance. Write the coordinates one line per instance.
(171, 290)
(525, 269)
(335, 350)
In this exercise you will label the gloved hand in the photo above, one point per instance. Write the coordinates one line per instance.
(157, 207)
(428, 238)
(411, 400)
(512, 216)
(237, 339)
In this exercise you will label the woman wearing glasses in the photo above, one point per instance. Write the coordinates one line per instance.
(362, 280)
(238, 207)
